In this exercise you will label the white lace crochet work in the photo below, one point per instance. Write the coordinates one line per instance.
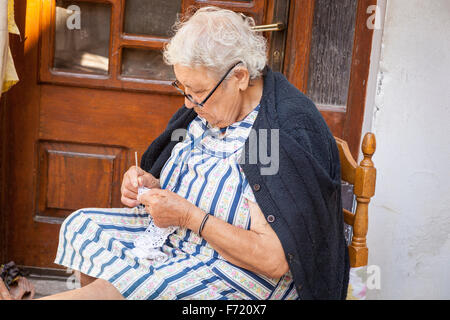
(147, 243)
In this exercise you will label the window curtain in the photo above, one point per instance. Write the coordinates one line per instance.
(8, 75)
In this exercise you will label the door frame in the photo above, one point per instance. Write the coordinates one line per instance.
(3, 155)
(24, 49)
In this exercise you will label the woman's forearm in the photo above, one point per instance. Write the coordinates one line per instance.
(250, 249)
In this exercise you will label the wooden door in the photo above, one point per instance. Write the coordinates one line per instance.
(93, 90)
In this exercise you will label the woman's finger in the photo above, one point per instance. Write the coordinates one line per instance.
(156, 192)
(138, 177)
(130, 194)
(129, 202)
(131, 176)
(140, 171)
(146, 197)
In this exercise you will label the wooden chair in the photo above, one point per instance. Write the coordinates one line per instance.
(362, 177)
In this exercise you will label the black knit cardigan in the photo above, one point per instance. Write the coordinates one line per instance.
(303, 199)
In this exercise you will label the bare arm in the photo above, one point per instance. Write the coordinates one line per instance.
(258, 249)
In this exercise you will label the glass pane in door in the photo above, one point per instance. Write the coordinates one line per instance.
(145, 63)
(331, 52)
(151, 17)
(82, 33)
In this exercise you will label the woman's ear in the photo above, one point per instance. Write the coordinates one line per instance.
(243, 78)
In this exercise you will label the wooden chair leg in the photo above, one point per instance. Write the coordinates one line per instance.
(364, 189)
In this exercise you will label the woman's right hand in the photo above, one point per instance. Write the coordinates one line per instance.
(132, 179)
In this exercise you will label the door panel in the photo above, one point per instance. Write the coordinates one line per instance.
(110, 117)
(62, 189)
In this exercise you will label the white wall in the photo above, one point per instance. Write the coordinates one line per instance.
(409, 111)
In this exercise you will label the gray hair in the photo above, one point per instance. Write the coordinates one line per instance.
(217, 38)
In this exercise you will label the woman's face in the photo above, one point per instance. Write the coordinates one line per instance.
(224, 106)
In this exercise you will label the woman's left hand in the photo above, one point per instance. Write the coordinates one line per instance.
(167, 208)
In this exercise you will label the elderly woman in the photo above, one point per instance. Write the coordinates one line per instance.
(224, 229)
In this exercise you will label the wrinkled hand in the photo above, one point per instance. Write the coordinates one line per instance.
(132, 179)
(167, 208)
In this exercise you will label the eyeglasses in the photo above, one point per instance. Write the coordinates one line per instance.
(177, 85)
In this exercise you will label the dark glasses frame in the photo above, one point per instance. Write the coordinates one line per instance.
(200, 104)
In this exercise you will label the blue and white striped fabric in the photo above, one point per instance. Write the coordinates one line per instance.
(204, 170)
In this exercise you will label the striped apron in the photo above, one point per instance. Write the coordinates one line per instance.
(204, 170)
